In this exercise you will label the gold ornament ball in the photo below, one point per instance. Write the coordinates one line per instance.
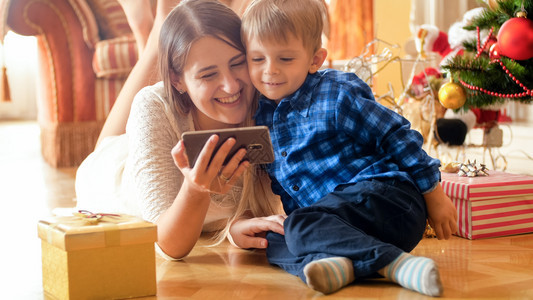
(452, 95)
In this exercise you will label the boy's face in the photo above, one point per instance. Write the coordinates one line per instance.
(278, 69)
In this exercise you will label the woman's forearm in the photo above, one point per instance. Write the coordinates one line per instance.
(180, 226)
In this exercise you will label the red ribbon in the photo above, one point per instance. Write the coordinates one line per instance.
(89, 214)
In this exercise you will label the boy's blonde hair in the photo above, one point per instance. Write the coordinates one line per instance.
(276, 20)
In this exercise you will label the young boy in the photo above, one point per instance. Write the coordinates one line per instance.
(353, 178)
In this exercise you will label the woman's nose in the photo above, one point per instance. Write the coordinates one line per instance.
(230, 83)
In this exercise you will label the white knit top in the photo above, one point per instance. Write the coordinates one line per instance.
(135, 174)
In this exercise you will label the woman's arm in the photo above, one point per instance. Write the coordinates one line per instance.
(180, 226)
(144, 72)
(159, 181)
(152, 182)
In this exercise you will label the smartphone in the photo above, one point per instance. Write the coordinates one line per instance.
(255, 139)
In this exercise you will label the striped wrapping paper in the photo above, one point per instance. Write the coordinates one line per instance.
(490, 206)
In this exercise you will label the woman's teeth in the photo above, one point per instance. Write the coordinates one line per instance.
(229, 99)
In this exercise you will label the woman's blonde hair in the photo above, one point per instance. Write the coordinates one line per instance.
(276, 20)
(187, 23)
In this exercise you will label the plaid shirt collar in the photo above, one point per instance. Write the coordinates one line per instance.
(300, 101)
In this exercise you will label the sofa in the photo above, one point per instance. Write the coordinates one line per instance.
(85, 52)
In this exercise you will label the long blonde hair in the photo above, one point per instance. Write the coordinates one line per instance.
(257, 198)
(187, 23)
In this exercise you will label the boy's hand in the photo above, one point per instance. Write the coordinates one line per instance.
(250, 233)
(442, 214)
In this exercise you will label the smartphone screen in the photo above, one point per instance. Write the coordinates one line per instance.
(255, 139)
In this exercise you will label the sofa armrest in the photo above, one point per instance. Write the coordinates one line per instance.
(88, 21)
(16, 8)
(66, 80)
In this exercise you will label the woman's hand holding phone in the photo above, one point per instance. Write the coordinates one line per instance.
(211, 175)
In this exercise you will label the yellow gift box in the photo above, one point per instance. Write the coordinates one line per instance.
(98, 257)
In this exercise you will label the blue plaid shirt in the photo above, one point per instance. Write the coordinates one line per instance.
(331, 132)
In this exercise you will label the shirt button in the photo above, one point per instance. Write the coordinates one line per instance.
(295, 188)
(284, 153)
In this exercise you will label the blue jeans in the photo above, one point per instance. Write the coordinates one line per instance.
(370, 222)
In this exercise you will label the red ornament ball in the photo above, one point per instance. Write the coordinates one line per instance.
(515, 38)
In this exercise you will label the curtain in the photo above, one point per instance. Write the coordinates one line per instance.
(351, 28)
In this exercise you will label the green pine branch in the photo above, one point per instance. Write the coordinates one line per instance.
(486, 73)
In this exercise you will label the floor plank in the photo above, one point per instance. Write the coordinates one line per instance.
(497, 268)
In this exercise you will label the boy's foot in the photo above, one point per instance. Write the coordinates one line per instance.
(328, 275)
(416, 273)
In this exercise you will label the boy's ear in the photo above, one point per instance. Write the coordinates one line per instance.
(318, 59)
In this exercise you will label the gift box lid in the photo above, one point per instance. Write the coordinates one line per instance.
(79, 232)
(496, 185)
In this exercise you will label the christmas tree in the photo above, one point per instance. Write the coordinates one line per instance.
(498, 68)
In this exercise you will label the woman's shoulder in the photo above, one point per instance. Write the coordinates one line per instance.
(151, 95)
(155, 88)
(152, 107)
(151, 101)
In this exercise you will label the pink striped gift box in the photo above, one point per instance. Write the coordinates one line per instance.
(490, 206)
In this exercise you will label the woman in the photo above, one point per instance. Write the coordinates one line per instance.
(205, 85)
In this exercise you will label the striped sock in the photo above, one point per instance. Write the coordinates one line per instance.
(330, 274)
(416, 273)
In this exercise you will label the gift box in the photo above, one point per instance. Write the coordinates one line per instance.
(101, 257)
(489, 206)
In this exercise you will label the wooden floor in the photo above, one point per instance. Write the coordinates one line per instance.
(498, 268)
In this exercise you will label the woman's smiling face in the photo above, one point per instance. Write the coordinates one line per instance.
(216, 78)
